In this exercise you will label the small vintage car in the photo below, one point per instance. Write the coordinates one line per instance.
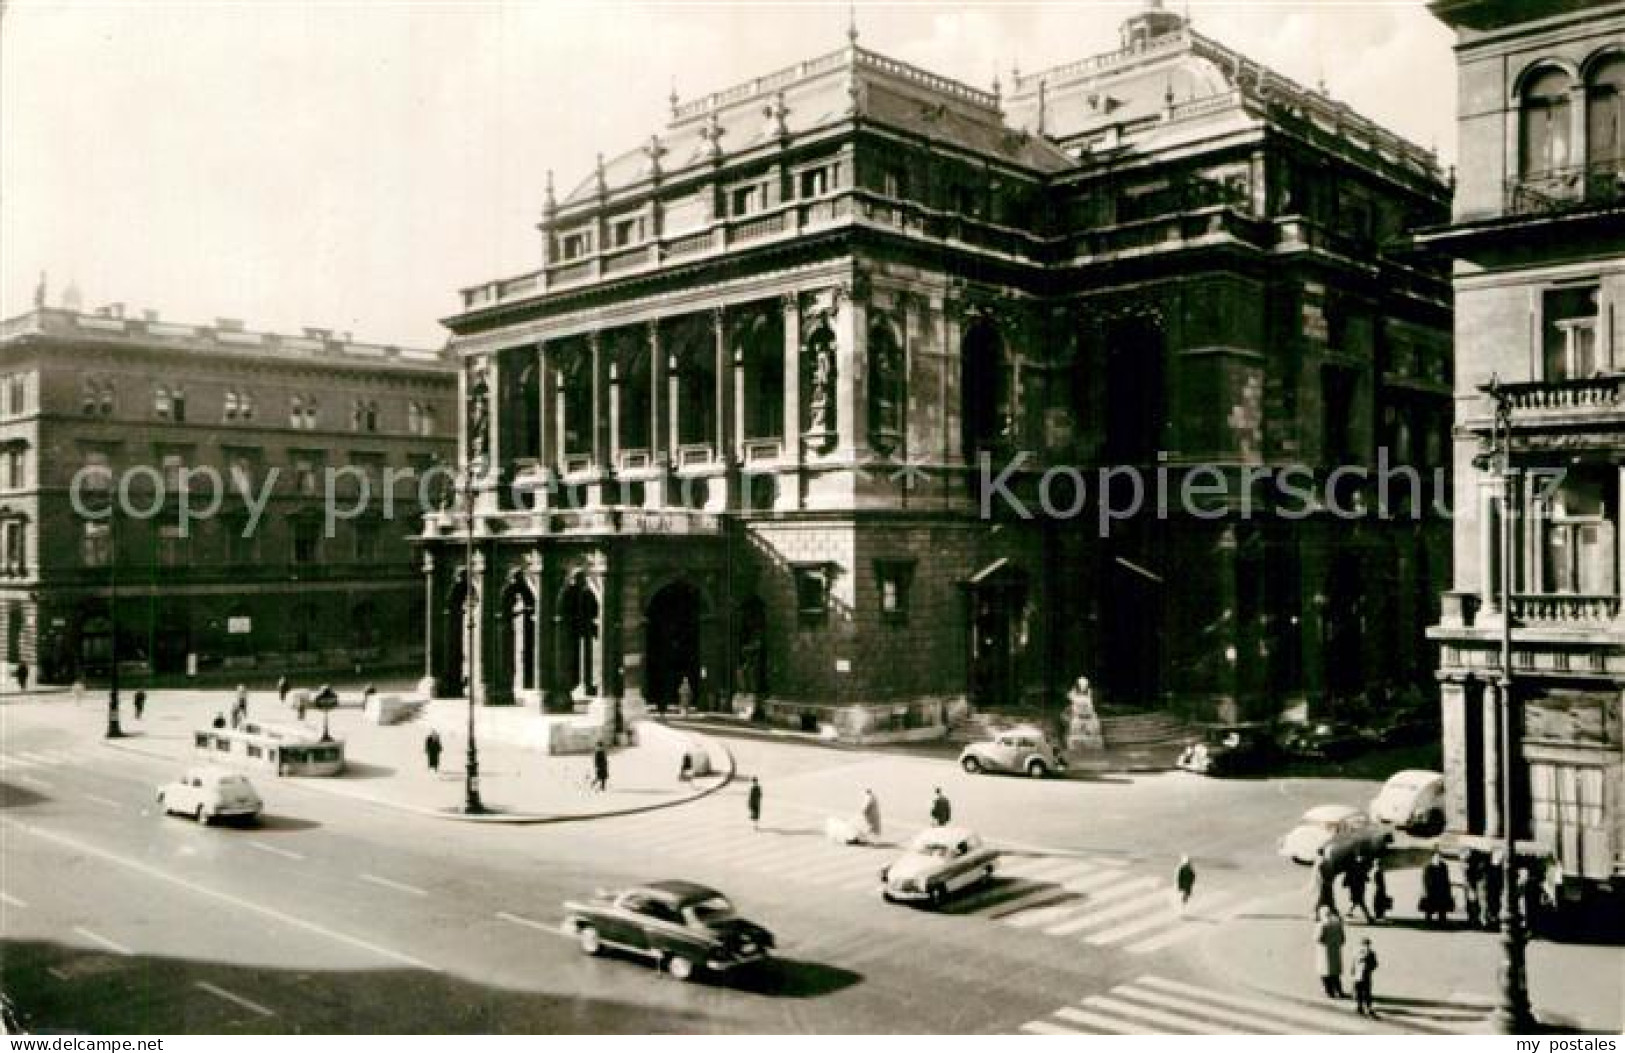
(938, 862)
(208, 794)
(1326, 740)
(1020, 751)
(1345, 833)
(686, 929)
(1232, 749)
(1411, 800)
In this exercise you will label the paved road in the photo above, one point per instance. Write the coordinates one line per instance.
(337, 916)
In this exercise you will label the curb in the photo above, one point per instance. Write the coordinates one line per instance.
(323, 785)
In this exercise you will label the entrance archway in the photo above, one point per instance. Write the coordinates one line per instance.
(454, 633)
(518, 634)
(672, 644)
(998, 601)
(578, 639)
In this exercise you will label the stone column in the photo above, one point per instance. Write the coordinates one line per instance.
(719, 374)
(1489, 554)
(545, 454)
(1453, 726)
(426, 686)
(1490, 715)
(560, 449)
(614, 414)
(598, 411)
(789, 496)
(738, 447)
(847, 324)
(655, 366)
(673, 410)
(475, 659)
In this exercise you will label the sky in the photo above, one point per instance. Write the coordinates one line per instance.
(352, 165)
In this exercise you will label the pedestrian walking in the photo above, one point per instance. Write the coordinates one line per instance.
(1329, 952)
(242, 701)
(1354, 879)
(1325, 878)
(22, 676)
(1381, 902)
(219, 720)
(282, 689)
(1437, 900)
(753, 802)
(1365, 964)
(871, 815)
(367, 695)
(1494, 887)
(1185, 879)
(1474, 863)
(431, 750)
(140, 703)
(685, 696)
(600, 768)
(941, 809)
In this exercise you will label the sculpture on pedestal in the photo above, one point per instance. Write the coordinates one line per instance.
(1083, 723)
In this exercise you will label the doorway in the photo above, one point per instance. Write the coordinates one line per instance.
(998, 635)
(672, 644)
(578, 639)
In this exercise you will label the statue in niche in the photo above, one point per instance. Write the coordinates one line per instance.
(822, 387)
(479, 423)
(886, 386)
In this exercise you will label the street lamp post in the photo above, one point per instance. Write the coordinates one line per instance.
(114, 731)
(472, 805)
(1512, 1016)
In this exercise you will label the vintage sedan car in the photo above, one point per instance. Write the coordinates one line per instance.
(938, 862)
(686, 929)
(1345, 833)
(208, 794)
(1020, 751)
(1325, 740)
(1232, 749)
(1411, 800)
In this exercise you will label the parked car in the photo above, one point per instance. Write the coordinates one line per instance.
(686, 929)
(1326, 740)
(1411, 800)
(1409, 728)
(208, 794)
(1232, 749)
(1020, 751)
(937, 863)
(1342, 831)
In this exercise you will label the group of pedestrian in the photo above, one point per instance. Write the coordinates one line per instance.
(1359, 877)
(1329, 940)
(239, 708)
(1484, 875)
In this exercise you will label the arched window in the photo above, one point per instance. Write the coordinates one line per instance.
(886, 387)
(634, 383)
(296, 412)
(1545, 133)
(527, 401)
(1605, 115)
(575, 382)
(695, 365)
(984, 392)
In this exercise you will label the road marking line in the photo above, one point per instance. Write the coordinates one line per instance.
(220, 992)
(532, 923)
(1168, 939)
(104, 801)
(275, 851)
(384, 881)
(12, 901)
(116, 948)
(1044, 1027)
(1338, 1022)
(1107, 1025)
(1161, 1019)
(1094, 919)
(1250, 1021)
(203, 890)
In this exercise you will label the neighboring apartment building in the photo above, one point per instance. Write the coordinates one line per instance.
(141, 402)
(737, 417)
(1539, 243)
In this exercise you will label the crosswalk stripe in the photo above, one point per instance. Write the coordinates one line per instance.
(1168, 939)
(1042, 869)
(1105, 1024)
(1090, 918)
(1339, 1023)
(1250, 1022)
(1067, 890)
(1114, 888)
(1156, 1016)
(1044, 1027)
(1134, 927)
(1026, 901)
(839, 865)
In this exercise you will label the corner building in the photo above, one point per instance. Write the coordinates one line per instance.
(1538, 238)
(737, 422)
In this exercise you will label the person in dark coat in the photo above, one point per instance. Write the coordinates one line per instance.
(140, 703)
(219, 720)
(1473, 867)
(1325, 883)
(431, 750)
(1329, 952)
(1365, 965)
(1494, 886)
(1381, 902)
(282, 689)
(600, 768)
(22, 676)
(1437, 900)
(941, 809)
(1185, 879)
(753, 801)
(1354, 879)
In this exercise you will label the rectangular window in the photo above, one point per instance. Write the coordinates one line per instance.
(16, 467)
(1569, 319)
(14, 542)
(161, 403)
(96, 544)
(306, 468)
(812, 589)
(893, 578)
(96, 470)
(814, 182)
(894, 182)
(19, 395)
(306, 541)
(574, 246)
(745, 200)
(627, 232)
(1578, 554)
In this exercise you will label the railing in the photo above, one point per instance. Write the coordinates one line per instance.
(759, 227)
(627, 260)
(1570, 189)
(634, 521)
(1566, 396)
(689, 244)
(758, 450)
(1565, 609)
(573, 272)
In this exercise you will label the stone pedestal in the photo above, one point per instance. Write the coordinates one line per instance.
(1083, 731)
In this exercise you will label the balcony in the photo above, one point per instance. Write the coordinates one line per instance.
(1551, 404)
(1565, 611)
(1560, 190)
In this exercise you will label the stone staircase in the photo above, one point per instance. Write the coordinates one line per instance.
(1143, 731)
(981, 725)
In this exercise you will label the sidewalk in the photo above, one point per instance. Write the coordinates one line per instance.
(1427, 979)
(385, 765)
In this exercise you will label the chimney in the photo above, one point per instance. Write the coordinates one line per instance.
(313, 333)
